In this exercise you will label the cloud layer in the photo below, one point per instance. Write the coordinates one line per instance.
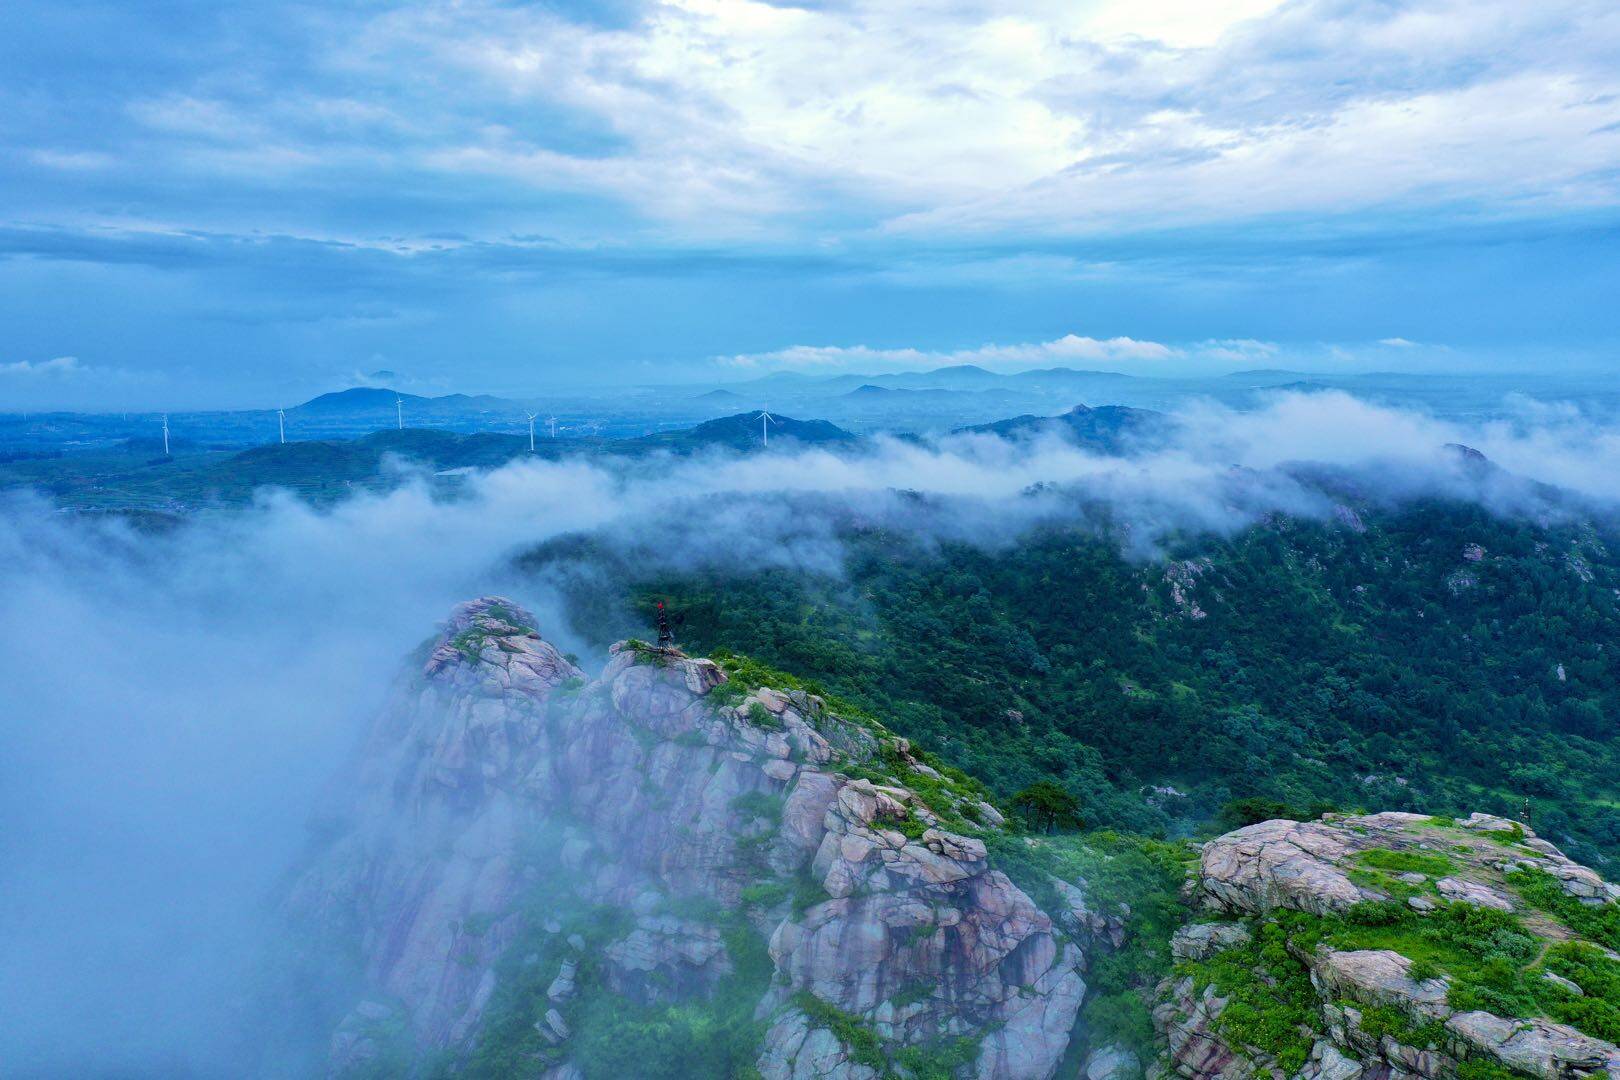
(727, 119)
(241, 211)
(174, 701)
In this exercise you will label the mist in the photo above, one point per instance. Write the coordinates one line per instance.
(173, 701)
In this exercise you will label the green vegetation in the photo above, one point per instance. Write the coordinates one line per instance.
(1598, 976)
(1490, 959)
(1270, 1000)
(1405, 862)
(1543, 891)
(910, 826)
(765, 894)
(943, 1061)
(1046, 807)
(760, 804)
(611, 1035)
(1381, 869)
(761, 717)
(615, 1037)
(1060, 660)
(865, 1048)
(1380, 1020)
(1481, 1069)
(1117, 869)
(509, 617)
(470, 642)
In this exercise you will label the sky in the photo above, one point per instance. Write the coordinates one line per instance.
(207, 205)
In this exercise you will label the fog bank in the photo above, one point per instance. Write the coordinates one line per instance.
(173, 701)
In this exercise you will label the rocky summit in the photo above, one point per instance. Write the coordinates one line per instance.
(532, 870)
(1393, 945)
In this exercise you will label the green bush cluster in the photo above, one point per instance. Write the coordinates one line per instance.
(1271, 1006)
(865, 1048)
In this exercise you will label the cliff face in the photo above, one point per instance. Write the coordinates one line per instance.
(1394, 945)
(525, 852)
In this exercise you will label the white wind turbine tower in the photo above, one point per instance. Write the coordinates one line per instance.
(281, 424)
(765, 422)
(165, 434)
(399, 411)
(551, 422)
(531, 431)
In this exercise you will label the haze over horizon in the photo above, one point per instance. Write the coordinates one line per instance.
(212, 208)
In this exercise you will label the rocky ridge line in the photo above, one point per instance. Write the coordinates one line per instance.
(656, 790)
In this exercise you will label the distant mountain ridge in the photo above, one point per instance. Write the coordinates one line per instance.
(954, 377)
(377, 398)
(1113, 429)
(746, 431)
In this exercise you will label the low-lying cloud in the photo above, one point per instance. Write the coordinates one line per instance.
(174, 700)
(1066, 349)
(1124, 354)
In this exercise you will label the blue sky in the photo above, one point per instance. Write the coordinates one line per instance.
(245, 204)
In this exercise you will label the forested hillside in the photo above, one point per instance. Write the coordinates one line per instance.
(1434, 657)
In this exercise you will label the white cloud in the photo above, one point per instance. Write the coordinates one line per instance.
(61, 365)
(166, 785)
(71, 160)
(973, 116)
(1067, 349)
(1124, 354)
(942, 117)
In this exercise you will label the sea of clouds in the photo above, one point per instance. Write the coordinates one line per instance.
(173, 701)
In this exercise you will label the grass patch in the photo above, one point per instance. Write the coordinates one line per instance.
(943, 1060)
(910, 825)
(1507, 837)
(1598, 1013)
(1542, 891)
(1433, 864)
(808, 892)
(865, 1047)
(1380, 1020)
(765, 894)
(511, 618)
(470, 642)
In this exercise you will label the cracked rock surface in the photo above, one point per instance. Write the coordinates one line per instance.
(665, 803)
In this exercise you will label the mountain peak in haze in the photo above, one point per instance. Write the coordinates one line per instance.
(1111, 429)
(357, 397)
(745, 431)
(382, 398)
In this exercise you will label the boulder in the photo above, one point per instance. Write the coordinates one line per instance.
(1538, 1047)
(1279, 864)
(638, 792)
(1200, 941)
(1112, 1062)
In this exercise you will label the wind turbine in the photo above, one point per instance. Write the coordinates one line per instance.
(531, 431)
(765, 421)
(551, 421)
(281, 424)
(165, 434)
(399, 410)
